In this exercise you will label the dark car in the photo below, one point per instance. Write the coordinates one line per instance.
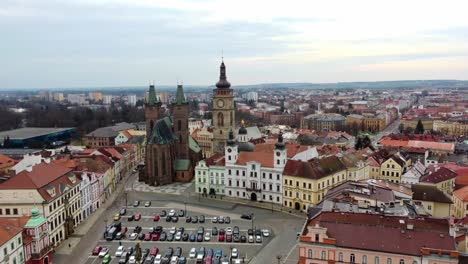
(200, 238)
(236, 238)
(201, 219)
(246, 216)
(235, 230)
(169, 252)
(258, 232)
(181, 229)
(192, 238)
(221, 220)
(141, 236)
(149, 260)
(123, 211)
(181, 213)
(250, 232)
(130, 218)
(163, 213)
(243, 239)
(175, 219)
(137, 229)
(214, 231)
(185, 237)
(130, 250)
(194, 219)
(227, 220)
(170, 237)
(178, 252)
(201, 230)
(158, 229)
(145, 253)
(168, 218)
(163, 236)
(182, 260)
(188, 219)
(216, 261)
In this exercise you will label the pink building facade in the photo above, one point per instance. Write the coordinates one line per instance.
(374, 239)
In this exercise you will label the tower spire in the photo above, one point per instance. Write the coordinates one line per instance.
(152, 99)
(180, 97)
(223, 82)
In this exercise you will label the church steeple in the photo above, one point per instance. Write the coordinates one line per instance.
(152, 99)
(180, 97)
(223, 82)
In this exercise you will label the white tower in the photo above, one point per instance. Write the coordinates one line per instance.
(231, 151)
(280, 153)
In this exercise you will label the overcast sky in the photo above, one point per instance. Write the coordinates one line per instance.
(82, 43)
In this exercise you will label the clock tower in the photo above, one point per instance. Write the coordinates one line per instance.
(223, 111)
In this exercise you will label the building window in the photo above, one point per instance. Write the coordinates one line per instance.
(309, 253)
(352, 258)
(324, 255)
(285, 182)
(364, 259)
(317, 237)
(340, 257)
(402, 261)
(376, 260)
(389, 261)
(277, 188)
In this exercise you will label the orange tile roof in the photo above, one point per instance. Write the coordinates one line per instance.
(393, 143)
(264, 158)
(66, 162)
(6, 162)
(10, 227)
(462, 194)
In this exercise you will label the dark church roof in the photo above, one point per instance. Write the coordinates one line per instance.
(245, 146)
(223, 82)
(162, 132)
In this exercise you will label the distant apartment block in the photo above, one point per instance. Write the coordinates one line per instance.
(324, 122)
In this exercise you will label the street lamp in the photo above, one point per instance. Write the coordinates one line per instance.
(278, 257)
(252, 220)
(126, 203)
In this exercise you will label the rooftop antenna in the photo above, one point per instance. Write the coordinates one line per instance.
(222, 54)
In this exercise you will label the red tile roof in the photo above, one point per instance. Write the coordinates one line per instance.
(264, 158)
(385, 233)
(10, 227)
(215, 160)
(440, 175)
(462, 194)
(315, 168)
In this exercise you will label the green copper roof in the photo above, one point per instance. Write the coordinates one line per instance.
(152, 99)
(193, 145)
(36, 219)
(162, 132)
(180, 97)
(182, 164)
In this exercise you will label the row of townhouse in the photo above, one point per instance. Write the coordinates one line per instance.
(285, 174)
(66, 190)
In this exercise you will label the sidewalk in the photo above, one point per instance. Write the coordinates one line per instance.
(67, 246)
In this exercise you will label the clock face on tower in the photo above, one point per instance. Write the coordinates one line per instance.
(220, 103)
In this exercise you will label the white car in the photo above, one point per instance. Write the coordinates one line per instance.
(133, 236)
(172, 230)
(103, 252)
(157, 259)
(132, 260)
(207, 236)
(171, 212)
(237, 261)
(178, 236)
(214, 220)
(174, 260)
(258, 239)
(193, 253)
(234, 253)
(120, 251)
(229, 231)
(266, 233)
(251, 239)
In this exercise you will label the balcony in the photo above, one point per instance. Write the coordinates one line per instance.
(253, 190)
(41, 253)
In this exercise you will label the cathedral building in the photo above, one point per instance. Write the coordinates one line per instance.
(223, 111)
(170, 150)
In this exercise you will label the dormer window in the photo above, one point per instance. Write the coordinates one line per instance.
(51, 191)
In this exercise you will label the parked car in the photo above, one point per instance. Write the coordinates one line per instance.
(133, 236)
(214, 231)
(229, 231)
(188, 219)
(185, 237)
(130, 250)
(130, 218)
(137, 229)
(210, 252)
(207, 236)
(158, 229)
(178, 252)
(193, 253)
(147, 204)
(228, 238)
(214, 220)
(156, 218)
(251, 239)
(119, 236)
(147, 237)
(227, 220)
(168, 218)
(221, 219)
(172, 212)
(141, 236)
(258, 239)
(163, 213)
(194, 219)
(116, 217)
(163, 236)
(243, 239)
(136, 203)
(103, 252)
(221, 237)
(178, 236)
(157, 259)
(235, 230)
(182, 260)
(107, 259)
(154, 251)
(155, 237)
(250, 232)
(192, 238)
(246, 216)
(235, 238)
(124, 258)
(181, 213)
(175, 219)
(170, 237)
(266, 233)
(123, 211)
(200, 238)
(219, 253)
(169, 252)
(201, 254)
(201, 219)
(234, 253)
(132, 260)
(137, 217)
(96, 250)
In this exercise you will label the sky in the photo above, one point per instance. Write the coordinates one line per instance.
(105, 43)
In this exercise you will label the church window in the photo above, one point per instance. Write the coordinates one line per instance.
(179, 125)
(220, 119)
(231, 119)
(180, 138)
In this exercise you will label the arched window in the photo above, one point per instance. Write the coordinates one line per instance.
(402, 261)
(340, 257)
(415, 262)
(180, 138)
(376, 260)
(389, 261)
(324, 255)
(232, 119)
(151, 126)
(364, 259)
(352, 258)
(309, 253)
(179, 125)
(220, 119)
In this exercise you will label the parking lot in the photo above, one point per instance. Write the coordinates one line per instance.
(246, 250)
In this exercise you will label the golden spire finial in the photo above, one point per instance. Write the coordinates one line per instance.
(242, 122)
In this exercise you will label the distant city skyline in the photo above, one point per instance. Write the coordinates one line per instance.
(112, 43)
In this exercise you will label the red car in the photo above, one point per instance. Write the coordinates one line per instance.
(228, 238)
(137, 217)
(154, 251)
(155, 237)
(156, 218)
(221, 238)
(124, 230)
(147, 237)
(96, 250)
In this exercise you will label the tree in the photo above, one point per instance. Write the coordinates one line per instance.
(138, 252)
(363, 142)
(419, 127)
(358, 144)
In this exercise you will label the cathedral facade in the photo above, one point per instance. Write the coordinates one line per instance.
(171, 153)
